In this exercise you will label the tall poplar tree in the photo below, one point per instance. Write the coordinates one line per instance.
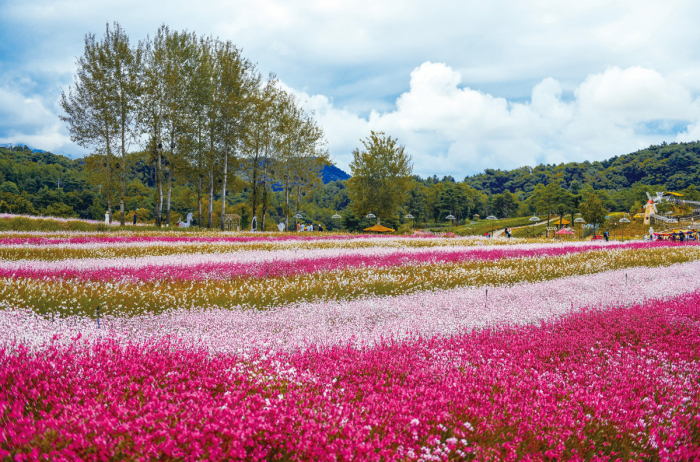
(152, 108)
(237, 81)
(90, 115)
(124, 71)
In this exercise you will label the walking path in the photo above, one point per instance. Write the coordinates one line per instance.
(500, 232)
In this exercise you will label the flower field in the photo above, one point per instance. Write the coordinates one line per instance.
(214, 346)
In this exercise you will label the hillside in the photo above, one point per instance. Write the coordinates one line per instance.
(333, 173)
(30, 179)
(673, 166)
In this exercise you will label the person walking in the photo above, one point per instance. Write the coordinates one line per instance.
(298, 227)
(135, 217)
(606, 235)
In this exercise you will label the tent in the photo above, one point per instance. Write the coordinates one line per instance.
(379, 229)
(565, 231)
(561, 221)
(639, 215)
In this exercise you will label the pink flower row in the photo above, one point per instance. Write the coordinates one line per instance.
(193, 268)
(201, 239)
(614, 384)
(367, 321)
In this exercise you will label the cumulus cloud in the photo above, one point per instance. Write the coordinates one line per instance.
(456, 130)
(28, 120)
(522, 82)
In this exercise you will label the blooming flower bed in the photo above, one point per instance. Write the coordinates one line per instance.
(343, 349)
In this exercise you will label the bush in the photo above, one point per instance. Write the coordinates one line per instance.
(60, 210)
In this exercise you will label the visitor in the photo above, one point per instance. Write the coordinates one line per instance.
(682, 236)
(320, 228)
(311, 228)
(298, 227)
(606, 235)
(135, 217)
(302, 228)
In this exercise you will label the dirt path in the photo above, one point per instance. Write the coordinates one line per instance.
(501, 232)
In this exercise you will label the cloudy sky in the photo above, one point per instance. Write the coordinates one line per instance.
(464, 85)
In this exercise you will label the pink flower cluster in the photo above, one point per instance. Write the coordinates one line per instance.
(193, 268)
(188, 239)
(614, 384)
(366, 321)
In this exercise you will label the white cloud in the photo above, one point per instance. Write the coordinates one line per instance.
(26, 120)
(524, 82)
(453, 130)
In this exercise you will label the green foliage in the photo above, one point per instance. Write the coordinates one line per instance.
(381, 177)
(58, 209)
(592, 209)
(665, 167)
(9, 187)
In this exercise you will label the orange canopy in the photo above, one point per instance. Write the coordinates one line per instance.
(562, 221)
(380, 229)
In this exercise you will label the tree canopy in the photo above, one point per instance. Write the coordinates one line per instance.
(381, 177)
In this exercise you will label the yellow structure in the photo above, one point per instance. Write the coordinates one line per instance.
(379, 229)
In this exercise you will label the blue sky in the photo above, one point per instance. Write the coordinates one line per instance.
(464, 85)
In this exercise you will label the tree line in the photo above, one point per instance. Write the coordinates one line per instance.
(200, 112)
(48, 184)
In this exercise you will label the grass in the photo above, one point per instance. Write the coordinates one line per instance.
(48, 224)
(482, 226)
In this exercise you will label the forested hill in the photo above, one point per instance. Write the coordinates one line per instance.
(674, 166)
(37, 182)
(29, 184)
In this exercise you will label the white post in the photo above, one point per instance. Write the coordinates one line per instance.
(106, 218)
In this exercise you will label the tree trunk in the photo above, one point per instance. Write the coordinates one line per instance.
(170, 191)
(264, 196)
(297, 211)
(159, 191)
(286, 201)
(109, 184)
(123, 172)
(121, 202)
(199, 201)
(210, 208)
(255, 189)
(223, 188)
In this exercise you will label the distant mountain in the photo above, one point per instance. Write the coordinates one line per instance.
(333, 173)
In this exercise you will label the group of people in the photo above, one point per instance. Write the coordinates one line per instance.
(673, 237)
(309, 228)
